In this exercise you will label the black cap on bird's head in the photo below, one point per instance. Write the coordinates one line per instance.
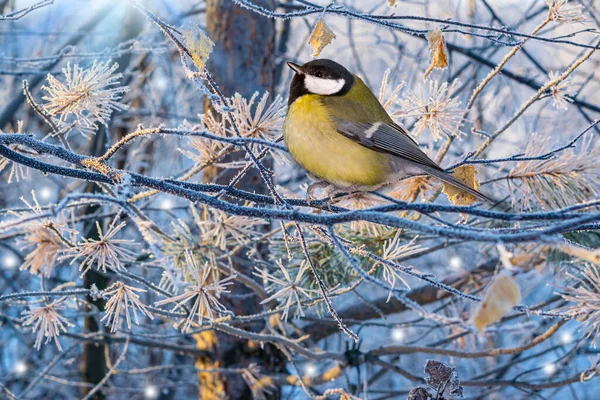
(322, 77)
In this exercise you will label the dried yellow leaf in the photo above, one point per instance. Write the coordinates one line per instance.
(501, 296)
(468, 175)
(392, 3)
(320, 37)
(198, 43)
(438, 51)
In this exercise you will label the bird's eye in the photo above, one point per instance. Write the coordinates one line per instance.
(319, 74)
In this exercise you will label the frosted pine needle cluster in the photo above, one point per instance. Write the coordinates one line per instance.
(203, 291)
(104, 253)
(221, 229)
(258, 120)
(394, 250)
(584, 292)
(45, 240)
(259, 385)
(562, 11)
(564, 179)
(286, 290)
(205, 151)
(46, 322)
(123, 299)
(388, 101)
(560, 101)
(435, 108)
(87, 96)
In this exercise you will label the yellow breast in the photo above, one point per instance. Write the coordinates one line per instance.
(313, 141)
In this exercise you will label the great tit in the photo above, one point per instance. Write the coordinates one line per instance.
(337, 130)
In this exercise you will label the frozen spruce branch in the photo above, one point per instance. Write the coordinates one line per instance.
(47, 322)
(436, 108)
(286, 290)
(123, 299)
(104, 252)
(203, 290)
(87, 96)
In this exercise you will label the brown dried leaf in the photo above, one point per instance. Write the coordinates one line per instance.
(438, 51)
(501, 296)
(198, 43)
(438, 372)
(320, 37)
(419, 393)
(468, 175)
(392, 3)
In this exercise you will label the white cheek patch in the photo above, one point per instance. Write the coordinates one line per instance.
(323, 86)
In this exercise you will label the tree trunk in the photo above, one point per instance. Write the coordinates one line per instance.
(243, 62)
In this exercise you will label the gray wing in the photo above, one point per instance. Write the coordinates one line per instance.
(387, 138)
(393, 139)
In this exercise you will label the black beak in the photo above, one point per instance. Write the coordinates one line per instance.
(297, 68)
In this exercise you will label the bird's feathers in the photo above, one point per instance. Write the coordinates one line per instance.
(384, 137)
(347, 138)
(375, 130)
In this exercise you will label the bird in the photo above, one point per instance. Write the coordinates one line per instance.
(337, 130)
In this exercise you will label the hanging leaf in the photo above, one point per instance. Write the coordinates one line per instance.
(392, 3)
(320, 37)
(198, 43)
(438, 51)
(468, 175)
(501, 296)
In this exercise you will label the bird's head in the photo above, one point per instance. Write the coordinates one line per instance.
(322, 77)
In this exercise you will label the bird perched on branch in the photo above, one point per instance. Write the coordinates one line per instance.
(337, 130)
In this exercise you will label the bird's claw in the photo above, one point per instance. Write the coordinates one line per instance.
(311, 191)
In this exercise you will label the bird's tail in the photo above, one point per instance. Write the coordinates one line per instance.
(444, 176)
